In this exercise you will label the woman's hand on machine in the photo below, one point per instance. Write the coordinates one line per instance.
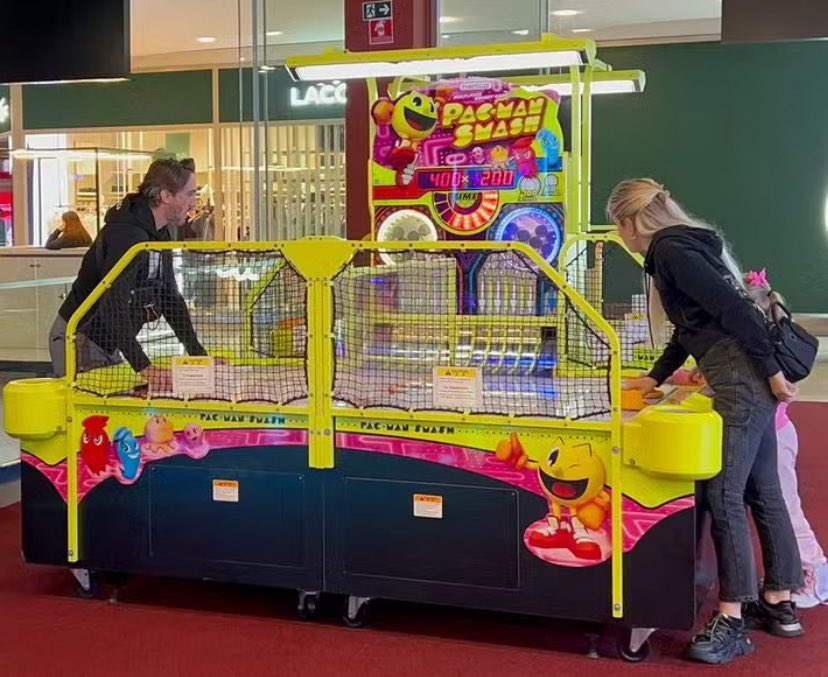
(645, 384)
(782, 389)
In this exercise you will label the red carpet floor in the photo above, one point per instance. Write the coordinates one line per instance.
(168, 628)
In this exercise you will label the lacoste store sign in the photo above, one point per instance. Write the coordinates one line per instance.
(318, 95)
(290, 100)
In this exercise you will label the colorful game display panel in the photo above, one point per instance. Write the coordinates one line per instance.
(477, 157)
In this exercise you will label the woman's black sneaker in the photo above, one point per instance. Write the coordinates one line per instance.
(720, 641)
(778, 619)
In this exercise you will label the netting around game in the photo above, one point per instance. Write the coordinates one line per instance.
(613, 283)
(245, 309)
(452, 330)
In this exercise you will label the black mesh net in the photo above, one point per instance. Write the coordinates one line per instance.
(245, 309)
(482, 332)
(613, 283)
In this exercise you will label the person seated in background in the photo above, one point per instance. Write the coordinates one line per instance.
(146, 289)
(70, 233)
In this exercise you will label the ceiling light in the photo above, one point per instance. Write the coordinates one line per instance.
(449, 19)
(582, 30)
(75, 82)
(522, 31)
(274, 34)
(266, 68)
(77, 155)
(566, 12)
(445, 36)
(206, 39)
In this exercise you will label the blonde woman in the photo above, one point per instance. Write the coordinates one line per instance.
(694, 282)
(70, 233)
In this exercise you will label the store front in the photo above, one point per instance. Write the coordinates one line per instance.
(87, 144)
(302, 137)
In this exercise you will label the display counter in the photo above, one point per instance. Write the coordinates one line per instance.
(33, 284)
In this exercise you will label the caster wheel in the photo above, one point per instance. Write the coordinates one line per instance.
(308, 606)
(355, 615)
(631, 656)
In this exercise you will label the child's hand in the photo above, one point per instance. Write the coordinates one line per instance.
(783, 390)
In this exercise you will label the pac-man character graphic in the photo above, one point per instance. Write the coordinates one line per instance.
(129, 453)
(159, 436)
(95, 444)
(499, 157)
(571, 476)
(413, 117)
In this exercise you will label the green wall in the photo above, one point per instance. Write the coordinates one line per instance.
(739, 135)
(176, 98)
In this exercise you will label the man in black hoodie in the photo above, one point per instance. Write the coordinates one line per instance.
(144, 291)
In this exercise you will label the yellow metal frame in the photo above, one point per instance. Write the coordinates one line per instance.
(319, 260)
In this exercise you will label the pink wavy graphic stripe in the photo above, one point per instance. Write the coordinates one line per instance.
(213, 440)
(637, 519)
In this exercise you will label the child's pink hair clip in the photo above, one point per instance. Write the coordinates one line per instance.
(759, 279)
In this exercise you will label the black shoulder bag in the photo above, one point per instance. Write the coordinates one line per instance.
(794, 348)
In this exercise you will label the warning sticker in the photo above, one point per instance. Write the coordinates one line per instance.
(428, 506)
(457, 387)
(226, 491)
(193, 375)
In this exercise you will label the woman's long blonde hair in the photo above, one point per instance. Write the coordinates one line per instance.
(652, 209)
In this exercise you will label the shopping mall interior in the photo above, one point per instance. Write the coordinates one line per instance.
(395, 379)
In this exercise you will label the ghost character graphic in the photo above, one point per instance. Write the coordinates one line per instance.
(129, 453)
(524, 157)
(95, 444)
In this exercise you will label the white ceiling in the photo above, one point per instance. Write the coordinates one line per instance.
(164, 32)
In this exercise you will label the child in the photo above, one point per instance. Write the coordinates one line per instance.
(814, 562)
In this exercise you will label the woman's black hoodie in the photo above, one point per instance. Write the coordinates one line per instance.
(702, 300)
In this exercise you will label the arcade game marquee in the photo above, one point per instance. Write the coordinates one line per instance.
(437, 421)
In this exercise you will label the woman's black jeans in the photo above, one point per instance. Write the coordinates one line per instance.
(749, 478)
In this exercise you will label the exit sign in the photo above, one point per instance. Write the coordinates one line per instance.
(377, 10)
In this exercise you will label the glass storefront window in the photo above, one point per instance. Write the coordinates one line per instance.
(303, 191)
(88, 172)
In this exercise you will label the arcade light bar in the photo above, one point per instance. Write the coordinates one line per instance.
(549, 52)
(603, 82)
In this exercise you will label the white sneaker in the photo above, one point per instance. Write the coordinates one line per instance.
(806, 597)
(821, 586)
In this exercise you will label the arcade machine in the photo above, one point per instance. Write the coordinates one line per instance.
(423, 508)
